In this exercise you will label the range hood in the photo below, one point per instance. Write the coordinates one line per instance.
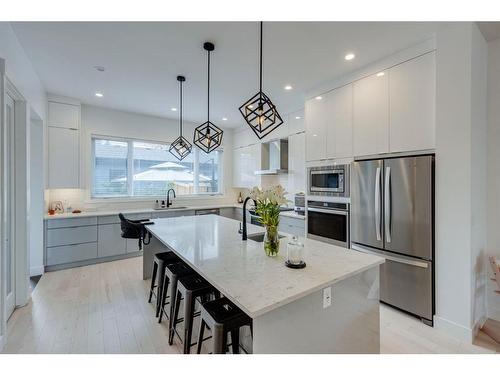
(274, 157)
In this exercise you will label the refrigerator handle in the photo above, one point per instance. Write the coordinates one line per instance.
(387, 204)
(377, 204)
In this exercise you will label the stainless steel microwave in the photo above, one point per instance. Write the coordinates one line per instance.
(332, 180)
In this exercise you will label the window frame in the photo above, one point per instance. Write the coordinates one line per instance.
(130, 170)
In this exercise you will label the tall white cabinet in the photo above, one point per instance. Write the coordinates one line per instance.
(371, 115)
(246, 160)
(412, 101)
(63, 144)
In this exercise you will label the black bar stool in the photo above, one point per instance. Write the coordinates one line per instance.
(190, 288)
(222, 316)
(173, 272)
(160, 261)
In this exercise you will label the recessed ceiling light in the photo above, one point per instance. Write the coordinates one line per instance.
(173, 109)
(380, 74)
(297, 117)
(315, 135)
(224, 119)
(288, 87)
(349, 56)
(99, 94)
(319, 98)
(99, 68)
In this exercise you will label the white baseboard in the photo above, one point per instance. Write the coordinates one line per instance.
(36, 271)
(456, 330)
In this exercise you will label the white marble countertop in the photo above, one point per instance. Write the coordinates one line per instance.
(240, 269)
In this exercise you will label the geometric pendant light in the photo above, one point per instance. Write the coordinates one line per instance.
(259, 111)
(208, 136)
(181, 147)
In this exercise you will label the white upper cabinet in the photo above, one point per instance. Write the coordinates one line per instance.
(296, 163)
(246, 160)
(296, 123)
(317, 116)
(371, 115)
(412, 97)
(339, 131)
(64, 145)
(63, 158)
(63, 115)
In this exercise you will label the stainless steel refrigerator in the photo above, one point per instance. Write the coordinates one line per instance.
(392, 215)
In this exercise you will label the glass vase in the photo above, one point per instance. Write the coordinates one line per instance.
(271, 241)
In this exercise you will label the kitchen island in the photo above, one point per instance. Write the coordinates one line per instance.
(288, 307)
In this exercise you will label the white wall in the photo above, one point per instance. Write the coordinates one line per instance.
(460, 144)
(20, 72)
(104, 121)
(493, 169)
(36, 198)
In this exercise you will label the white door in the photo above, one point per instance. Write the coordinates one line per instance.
(412, 99)
(317, 117)
(8, 191)
(371, 115)
(339, 131)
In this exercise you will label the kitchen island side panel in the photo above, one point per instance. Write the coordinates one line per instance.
(350, 325)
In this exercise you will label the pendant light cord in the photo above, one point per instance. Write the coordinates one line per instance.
(180, 122)
(208, 89)
(260, 83)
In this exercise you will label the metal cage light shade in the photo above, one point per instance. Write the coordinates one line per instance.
(181, 147)
(208, 136)
(259, 111)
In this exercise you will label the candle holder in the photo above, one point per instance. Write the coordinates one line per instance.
(295, 254)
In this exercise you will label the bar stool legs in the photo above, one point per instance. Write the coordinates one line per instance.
(153, 279)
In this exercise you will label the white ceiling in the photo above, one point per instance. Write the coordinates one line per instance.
(142, 61)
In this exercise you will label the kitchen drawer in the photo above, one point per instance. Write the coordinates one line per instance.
(111, 219)
(71, 253)
(110, 241)
(72, 222)
(69, 236)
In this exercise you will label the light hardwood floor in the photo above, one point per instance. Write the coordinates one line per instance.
(103, 309)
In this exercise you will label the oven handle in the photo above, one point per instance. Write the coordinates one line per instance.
(326, 211)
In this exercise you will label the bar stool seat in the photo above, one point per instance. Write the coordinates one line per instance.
(222, 316)
(160, 261)
(190, 288)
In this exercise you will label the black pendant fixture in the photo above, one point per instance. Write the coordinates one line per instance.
(259, 111)
(181, 147)
(208, 136)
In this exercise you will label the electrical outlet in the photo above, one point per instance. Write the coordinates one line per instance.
(327, 297)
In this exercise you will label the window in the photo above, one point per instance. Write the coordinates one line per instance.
(136, 168)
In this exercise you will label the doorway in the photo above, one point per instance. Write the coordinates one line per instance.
(8, 213)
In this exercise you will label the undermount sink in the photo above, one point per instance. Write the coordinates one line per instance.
(259, 237)
(170, 208)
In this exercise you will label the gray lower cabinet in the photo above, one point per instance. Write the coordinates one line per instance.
(292, 226)
(232, 213)
(110, 241)
(70, 236)
(71, 253)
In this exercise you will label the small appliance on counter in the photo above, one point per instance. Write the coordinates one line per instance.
(300, 203)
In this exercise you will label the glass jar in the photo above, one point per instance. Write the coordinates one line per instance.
(295, 253)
